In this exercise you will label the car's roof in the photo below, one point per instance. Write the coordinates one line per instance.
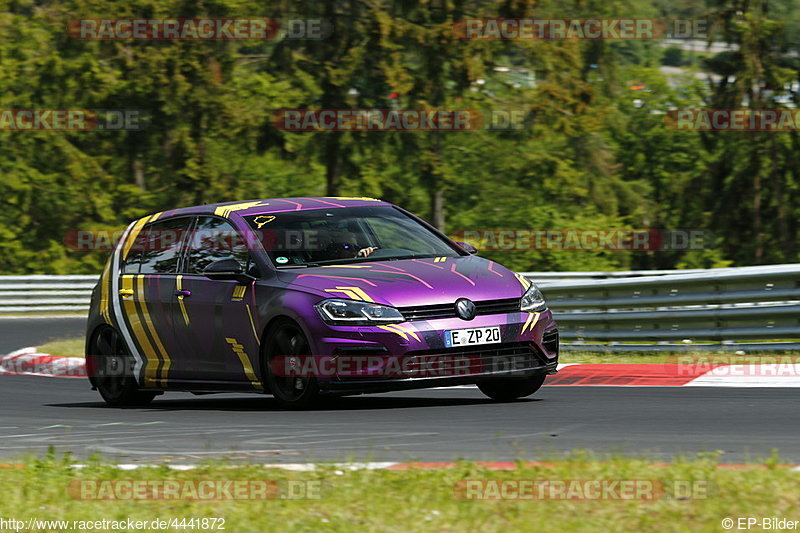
(275, 205)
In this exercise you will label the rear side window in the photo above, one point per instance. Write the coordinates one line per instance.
(133, 262)
(159, 247)
(214, 239)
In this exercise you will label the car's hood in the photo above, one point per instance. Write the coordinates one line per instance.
(410, 282)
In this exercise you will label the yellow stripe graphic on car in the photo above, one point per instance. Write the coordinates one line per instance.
(181, 304)
(238, 349)
(150, 326)
(531, 317)
(132, 237)
(116, 296)
(354, 293)
(440, 260)
(263, 219)
(238, 293)
(252, 324)
(138, 332)
(396, 331)
(523, 281)
(104, 302)
(366, 198)
(407, 330)
(400, 330)
(225, 210)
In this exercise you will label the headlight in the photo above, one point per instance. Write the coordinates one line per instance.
(533, 300)
(353, 313)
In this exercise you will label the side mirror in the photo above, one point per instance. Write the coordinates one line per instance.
(227, 269)
(467, 247)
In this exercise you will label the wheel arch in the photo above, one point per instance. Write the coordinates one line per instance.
(262, 342)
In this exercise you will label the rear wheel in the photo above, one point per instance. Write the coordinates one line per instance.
(506, 390)
(284, 340)
(110, 369)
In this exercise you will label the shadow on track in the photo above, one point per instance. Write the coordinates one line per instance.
(350, 403)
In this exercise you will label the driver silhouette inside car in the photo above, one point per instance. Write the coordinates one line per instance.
(342, 245)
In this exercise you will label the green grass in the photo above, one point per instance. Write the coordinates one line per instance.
(422, 500)
(66, 347)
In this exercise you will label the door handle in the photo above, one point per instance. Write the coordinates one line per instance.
(126, 292)
(183, 292)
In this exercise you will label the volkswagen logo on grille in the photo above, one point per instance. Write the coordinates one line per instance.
(465, 308)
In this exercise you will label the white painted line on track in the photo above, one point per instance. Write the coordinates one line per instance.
(750, 376)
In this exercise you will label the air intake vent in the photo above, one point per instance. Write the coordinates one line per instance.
(550, 340)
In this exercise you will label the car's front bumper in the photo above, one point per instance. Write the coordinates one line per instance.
(369, 385)
(413, 354)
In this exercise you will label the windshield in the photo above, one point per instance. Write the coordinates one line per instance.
(345, 235)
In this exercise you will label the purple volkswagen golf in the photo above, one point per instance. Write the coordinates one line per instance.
(306, 297)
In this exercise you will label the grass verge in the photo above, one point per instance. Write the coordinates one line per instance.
(65, 347)
(697, 495)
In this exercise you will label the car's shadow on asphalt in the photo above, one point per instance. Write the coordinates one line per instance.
(349, 403)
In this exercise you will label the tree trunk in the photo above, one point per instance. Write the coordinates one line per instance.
(757, 226)
(138, 172)
(332, 163)
(437, 209)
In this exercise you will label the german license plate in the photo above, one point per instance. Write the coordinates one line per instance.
(472, 336)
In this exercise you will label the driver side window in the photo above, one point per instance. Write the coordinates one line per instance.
(214, 239)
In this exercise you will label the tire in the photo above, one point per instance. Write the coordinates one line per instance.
(285, 338)
(506, 390)
(109, 369)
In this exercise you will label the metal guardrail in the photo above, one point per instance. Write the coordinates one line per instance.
(45, 294)
(547, 278)
(747, 308)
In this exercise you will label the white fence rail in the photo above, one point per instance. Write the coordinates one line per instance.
(747, 308)
(45, 294)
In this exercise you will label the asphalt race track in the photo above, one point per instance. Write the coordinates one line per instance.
(18, 333)
(427, 425)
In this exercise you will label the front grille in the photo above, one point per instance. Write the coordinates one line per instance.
(487, 307)
(550, 340)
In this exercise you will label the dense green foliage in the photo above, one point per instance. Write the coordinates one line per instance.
(591, 154)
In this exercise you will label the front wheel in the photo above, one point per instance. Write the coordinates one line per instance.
(506, 390)
(110, 371)
(284, 341)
